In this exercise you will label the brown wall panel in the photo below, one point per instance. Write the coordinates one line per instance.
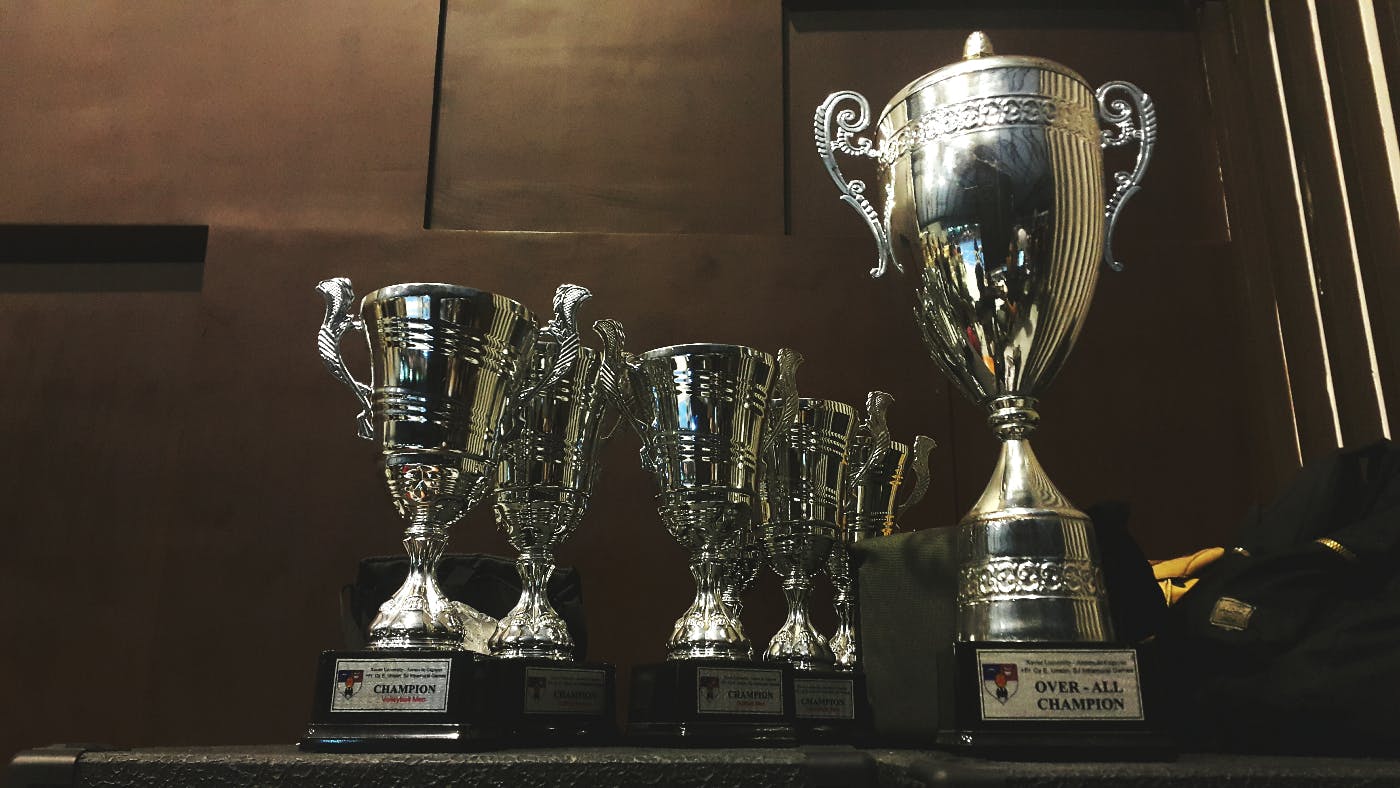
(611, 116)
(231, 113)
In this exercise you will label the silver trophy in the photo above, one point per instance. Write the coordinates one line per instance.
(805, 488)
(992, 175)
(547, 468)
(876, 472)
(701, 410)
(448, 364)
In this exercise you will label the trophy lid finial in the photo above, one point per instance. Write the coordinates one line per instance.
(977, 45)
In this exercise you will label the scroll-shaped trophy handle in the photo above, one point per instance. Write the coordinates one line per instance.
(876, 426)
(562, 328)
(340, 318)
(618, 368)
(785, 395)
(846, 125)
(1119, 112)
(923, 446)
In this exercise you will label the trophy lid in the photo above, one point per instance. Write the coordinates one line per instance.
(978, 56)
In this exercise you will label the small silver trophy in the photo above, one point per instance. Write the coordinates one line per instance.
(876, 471)
(701, 412)
(548, 465)
(805, 485)
(448, 364)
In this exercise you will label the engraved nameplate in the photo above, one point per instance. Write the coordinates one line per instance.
(824, 699)
(565, 691)
(393, 685)
(1059, 684)
(738, 691)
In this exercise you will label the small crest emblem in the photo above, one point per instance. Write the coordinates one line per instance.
(349, 681)
(536, 685)
(710, 684)
(1000, 680)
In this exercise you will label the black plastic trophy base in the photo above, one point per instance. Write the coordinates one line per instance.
(830, 706)
(712, 703)
(541, 702)
(1048, 701)
(406, 700)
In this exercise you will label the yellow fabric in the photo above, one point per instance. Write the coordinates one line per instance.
(1176, 576)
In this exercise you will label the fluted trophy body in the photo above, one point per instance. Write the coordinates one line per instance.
(991, 175)
(447, 364)
(805, 490)
(702, 411)
(707, 404)
(544, 480)
(878, 472)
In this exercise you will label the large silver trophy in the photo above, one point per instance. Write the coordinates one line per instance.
(701, 410)
(805, 483)
(543, 483)
(876, 474)
(448, 365)
(991, 174)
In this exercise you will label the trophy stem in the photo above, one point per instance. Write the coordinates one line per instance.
(843, 641)
(1028, 562)
(707, 630)
(418, 615)
(533, 629)
(798, 642)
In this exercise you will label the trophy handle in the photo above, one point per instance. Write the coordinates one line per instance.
(876, 425)
(847, 124)
(562, 328)
(785, 394)
(923, 446)
(1119, 112)
(340, 318)
(618, 368)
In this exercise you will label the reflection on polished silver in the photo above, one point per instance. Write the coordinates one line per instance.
(994, 194)
(805, 477)
(547, 469)
(876, 470)
(700, 410)
(743, 561)
(447, 364)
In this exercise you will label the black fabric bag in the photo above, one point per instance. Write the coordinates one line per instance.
(486, 582)
(1290, 642)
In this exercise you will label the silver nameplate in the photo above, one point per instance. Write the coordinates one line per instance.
(738, 691)
(393, 685)
(565, 691)
(824, 699)
(1059, 684)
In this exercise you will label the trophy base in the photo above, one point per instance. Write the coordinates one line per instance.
(543, 702)
(407, 700)
(830, 706)
(712, 703)
(1050, 701)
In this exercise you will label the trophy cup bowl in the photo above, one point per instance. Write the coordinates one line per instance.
(547, 468)
(448, 364)
(991, 171)
(805, 486)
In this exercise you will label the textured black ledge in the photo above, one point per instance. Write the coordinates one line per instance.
(626, 766)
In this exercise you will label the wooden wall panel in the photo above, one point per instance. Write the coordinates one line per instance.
(610, 116)
(233, 113)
